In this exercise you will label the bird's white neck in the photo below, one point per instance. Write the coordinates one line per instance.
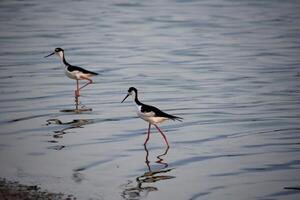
(61, 55)
(134, 96)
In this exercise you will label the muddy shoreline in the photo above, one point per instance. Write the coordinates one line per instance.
(12, 190)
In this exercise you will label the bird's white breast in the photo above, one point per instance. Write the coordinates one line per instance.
(73, 75)
(149, 116)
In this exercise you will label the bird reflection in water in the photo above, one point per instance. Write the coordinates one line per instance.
(79, 107)
(144, 182)
(76, 123)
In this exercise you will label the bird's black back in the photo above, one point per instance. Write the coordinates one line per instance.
(158, 112)
(72, 68)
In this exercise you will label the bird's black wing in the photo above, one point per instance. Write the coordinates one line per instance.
(158, 113)
(72, 68)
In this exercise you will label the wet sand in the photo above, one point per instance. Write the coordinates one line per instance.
(11, 190)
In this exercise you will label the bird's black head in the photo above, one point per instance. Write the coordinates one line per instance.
(58, 49)
(131, 91)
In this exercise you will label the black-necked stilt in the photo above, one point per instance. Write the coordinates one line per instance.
(150, 114)
(74, 72)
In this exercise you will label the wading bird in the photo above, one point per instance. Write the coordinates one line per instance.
(74, 72)
(150, 114)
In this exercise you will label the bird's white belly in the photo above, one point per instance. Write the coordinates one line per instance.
(148, 117)
(73, 75)
(155, 120)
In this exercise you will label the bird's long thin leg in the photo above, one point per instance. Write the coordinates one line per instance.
(90, 82)
(77, 94)
(148, 135)
(165, 138)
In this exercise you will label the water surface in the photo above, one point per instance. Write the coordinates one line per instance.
(229, 68)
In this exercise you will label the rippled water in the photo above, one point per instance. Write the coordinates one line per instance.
(229, 68)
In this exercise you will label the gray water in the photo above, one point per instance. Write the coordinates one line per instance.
(229, 68)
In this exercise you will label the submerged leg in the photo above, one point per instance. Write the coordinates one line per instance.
(148, 135)
(165, 138)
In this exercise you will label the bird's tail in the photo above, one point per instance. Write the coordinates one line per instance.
(94, 73)
(174, 118)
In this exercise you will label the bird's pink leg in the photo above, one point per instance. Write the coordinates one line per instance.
(165, 138)
(90, 81)
(77, 90)
(148, 135)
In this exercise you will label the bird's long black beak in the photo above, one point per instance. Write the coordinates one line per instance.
(125, 98)
(49, 55)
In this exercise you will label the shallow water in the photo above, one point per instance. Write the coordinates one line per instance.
(229, 68)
